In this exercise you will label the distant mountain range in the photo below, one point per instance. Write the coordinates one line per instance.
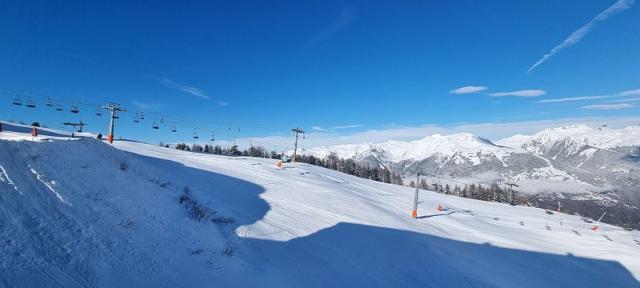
(577, 161)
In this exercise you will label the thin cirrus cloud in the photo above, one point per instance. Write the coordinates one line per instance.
(577, 35)
(519, 93)
(347, 127)
(608, 106)
(635, 92)
(468, 90)
(146, 105)
(629, 93)
(569, 99)
(344, 19)
(185, 88)
(624, 100)
(342, 127)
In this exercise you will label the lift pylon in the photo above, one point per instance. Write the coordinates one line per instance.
(113, 107)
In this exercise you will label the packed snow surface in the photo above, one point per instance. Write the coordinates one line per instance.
(86, 214)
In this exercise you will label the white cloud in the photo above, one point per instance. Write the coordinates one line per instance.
(223, 104)
(145, 105)
(492, 131)
(624, 100)
(185, 88)
(341, 127)
(346, 127)
(577, 35)
(629, 93)
(607, 106)
(519, 93)
(573, 99)
(468, 90)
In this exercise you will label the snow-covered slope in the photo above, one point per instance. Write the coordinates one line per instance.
(85, 214)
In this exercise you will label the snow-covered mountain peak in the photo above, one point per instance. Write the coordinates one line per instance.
(574, 138)
(454, 138)
(397, 151)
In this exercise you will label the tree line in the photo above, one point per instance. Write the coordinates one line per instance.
(349, 166)
(492, 192)
(233, 150)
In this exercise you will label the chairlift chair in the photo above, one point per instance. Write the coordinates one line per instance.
(98, 111)
(155, 126)
(135, 120)
(17, 102)
(49, 102)
(74, 109)
(30, 104)
(59, 108)
(173, 129)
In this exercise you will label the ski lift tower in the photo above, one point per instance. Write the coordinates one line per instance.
(113, 107)
(513, 192)
(78, 126)
(296, 131)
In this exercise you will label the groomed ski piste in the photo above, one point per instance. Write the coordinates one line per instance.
(82, 213)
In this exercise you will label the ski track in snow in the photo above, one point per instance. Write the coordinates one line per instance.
(4, 177)
(49, 184)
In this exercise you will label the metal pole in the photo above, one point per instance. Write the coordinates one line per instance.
(113, 107)
(414, 213)
(295, 148)
(113, 114)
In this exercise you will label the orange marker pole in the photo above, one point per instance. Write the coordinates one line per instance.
(595, 226)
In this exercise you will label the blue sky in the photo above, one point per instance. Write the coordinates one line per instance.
(335, 68)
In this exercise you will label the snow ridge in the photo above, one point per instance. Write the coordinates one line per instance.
(463, 144)
(575, 137)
